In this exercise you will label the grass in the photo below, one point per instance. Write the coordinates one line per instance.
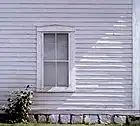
(43, 124)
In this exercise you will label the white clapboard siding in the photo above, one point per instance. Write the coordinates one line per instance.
(18, 45)
(17, 72)
(70, 19)
(17, 40)
(103, 56)
(21, 49)
(18, 32)
(46, 5)
(21, 54)
(78, 25)
(37, 15)
(71, 2)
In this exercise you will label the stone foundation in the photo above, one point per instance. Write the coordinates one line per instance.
(81, 119)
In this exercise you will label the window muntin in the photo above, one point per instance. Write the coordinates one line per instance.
(56, 59)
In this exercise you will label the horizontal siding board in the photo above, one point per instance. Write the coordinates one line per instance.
(17, 59)
(102, 45)
(49, 15)
(66, 101)
(81, 110)
(68, 19)
(17, 50)
(62, 5)
(83, 103)
(103, 66)
(102, 82)
(21, 81)
(103, 59)
(17, 40)
(113, 81)
(70, 107)
(82, 70)
(93, 95)
(82, 58)
(106, 51)
(80, 63)
(102, 69)
(24, 36)
(68, 11)
(107, 31)
(95, 41)
(17, 32)
(15, 63)
(105, 90)
(13, 87)
(17, 67)
(17, 72)
(107, 28)
(105, 86)
(77, 99)
(104, 32)
(106, 38)
(86, 111)
(83, 25)
(104, 78)
(17, 76)
(5, 45)
(103, 55)
(104, 74)
(14, 54)
(103, 37)
(71, 1)
(88, 94)
(22, 28)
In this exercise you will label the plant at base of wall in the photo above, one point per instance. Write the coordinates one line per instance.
(19, 105)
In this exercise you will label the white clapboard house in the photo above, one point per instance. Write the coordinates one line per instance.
(79, 56)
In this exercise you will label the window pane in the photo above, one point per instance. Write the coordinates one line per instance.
(62, 46)
(49, 74)
(62, 74)
(49, 46)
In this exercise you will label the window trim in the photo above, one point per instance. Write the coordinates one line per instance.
(40, 57)
(136, 55)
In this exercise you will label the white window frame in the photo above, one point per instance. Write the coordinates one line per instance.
(41, 30)
(136, 55)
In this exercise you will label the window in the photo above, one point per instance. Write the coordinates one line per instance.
(55, 58)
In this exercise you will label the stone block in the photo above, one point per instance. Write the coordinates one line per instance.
(120, 119)
(41, 118)
(91, 119)
(77, 119)
(65, 119)
(31, 118)
(53, 118)
(105, 119)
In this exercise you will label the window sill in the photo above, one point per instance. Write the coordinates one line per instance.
(56, 89)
